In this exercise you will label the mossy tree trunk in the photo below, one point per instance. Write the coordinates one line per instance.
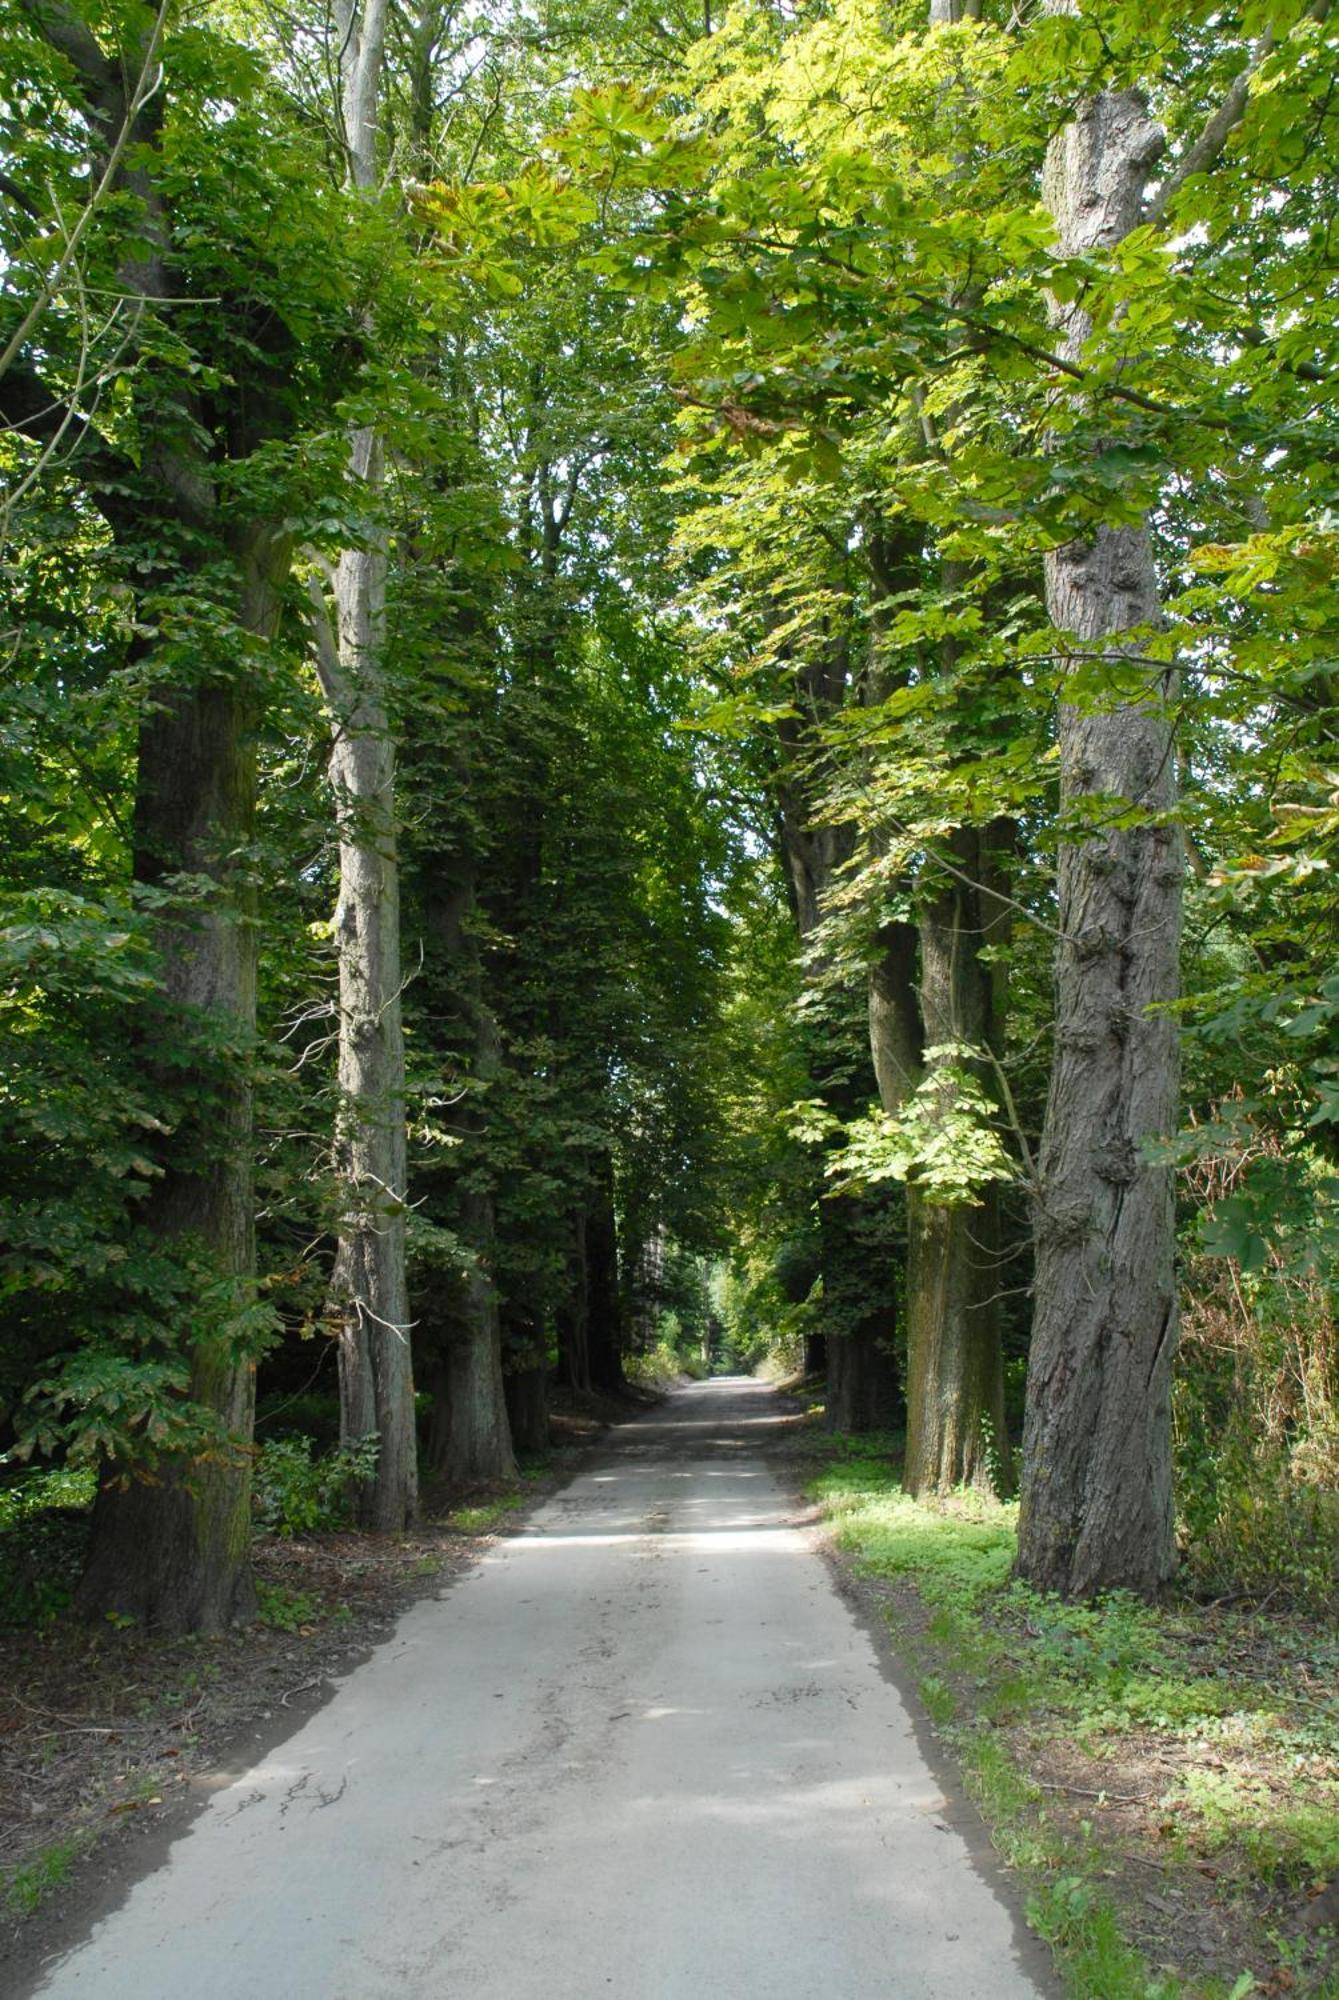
(174, 1554)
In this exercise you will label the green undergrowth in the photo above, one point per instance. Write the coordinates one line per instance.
(662, 1366)
(1115, 1745)
(290, 1610)
(27, 1887)
(485, 1514)
(43, 1533)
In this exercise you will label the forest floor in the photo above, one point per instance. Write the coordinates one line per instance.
(1165, 1780)
(109, 1738)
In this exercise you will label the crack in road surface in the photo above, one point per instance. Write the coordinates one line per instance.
(697, 1784)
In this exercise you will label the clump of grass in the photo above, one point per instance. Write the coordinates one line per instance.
(28, 1886)
(1296, 1840)
(957, 1551)
(287, 1610)
(485, 1514)
(1084, 1931)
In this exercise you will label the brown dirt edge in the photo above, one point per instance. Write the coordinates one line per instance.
(115, 1741)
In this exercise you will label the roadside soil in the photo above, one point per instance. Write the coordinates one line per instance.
(111, 1740)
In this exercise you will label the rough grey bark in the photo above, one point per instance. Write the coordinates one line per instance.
(369, 1292)
(1097, 1489)
(475, 1437)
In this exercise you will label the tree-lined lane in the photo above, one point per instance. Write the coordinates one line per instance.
(642, 1749)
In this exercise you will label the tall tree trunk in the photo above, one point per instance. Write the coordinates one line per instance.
(956, 1431)
(525, 1378)
(369, 1291)
(604, 1312)
(471, 1437)
(174, 1554)
(1097, 1489)
(574, 1314)
(858, 1310)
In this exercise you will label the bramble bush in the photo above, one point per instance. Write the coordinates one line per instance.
(1256, 1398)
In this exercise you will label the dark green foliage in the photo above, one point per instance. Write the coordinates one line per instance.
(91, 1302)
(295, 1492)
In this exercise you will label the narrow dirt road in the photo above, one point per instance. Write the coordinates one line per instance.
(643, 1749)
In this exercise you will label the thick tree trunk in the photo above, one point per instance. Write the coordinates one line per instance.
(1097, 1491)
(574, 1314)
(604, 1311)
(175, 1554)
(528, 1408)
(956, 1432)
(474, 1436)
(471, 1437)
(525, 1378)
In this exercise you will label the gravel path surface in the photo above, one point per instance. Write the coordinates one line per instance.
(642, 1749)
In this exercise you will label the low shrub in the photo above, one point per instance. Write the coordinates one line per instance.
(295, 1492)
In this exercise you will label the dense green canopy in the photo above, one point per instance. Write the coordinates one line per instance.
(600, 487)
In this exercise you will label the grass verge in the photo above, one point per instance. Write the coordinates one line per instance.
(1165, 1779)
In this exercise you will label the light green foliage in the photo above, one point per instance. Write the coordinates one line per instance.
(43, 1531)
(27, 1887)
(287, 1610)
(1299, 1841)
(957, 1554)
(485, 1514)
(297, 1492)
(33, 1494)
(943, 1140)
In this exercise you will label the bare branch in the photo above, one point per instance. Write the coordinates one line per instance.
(150, 77)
